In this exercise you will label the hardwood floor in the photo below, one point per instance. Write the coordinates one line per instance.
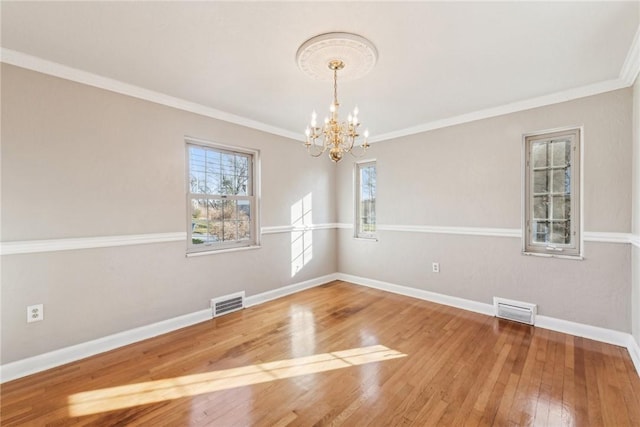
(339, 354)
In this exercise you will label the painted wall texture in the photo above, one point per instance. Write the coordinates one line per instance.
(470, 175)
(635, 265)
(83, 162)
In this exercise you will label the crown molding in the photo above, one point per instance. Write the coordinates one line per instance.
(514, 107)
(33, 63)
(631, 66)
(627, 76)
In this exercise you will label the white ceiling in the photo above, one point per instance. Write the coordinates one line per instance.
(437, 61)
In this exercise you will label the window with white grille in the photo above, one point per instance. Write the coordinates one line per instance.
(222, 208)
(365, 189)
(552, 193)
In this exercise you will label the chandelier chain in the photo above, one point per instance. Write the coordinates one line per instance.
(335, 87)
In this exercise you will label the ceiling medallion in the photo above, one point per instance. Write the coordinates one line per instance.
(356, 51)
(321, 58)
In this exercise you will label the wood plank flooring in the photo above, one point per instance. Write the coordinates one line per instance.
(339, 354)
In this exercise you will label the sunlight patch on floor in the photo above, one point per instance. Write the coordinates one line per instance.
(112, 398)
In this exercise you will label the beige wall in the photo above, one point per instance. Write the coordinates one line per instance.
(470, 176)
(106, 164)
(635, 271)
(82, 162)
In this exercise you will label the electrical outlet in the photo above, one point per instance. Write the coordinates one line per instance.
(435, 267)
(35, 313)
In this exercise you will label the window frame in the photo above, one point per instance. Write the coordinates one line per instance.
(253, 196)
(358, 234)
(573, 250)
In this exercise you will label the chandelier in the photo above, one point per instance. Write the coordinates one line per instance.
(353, 55)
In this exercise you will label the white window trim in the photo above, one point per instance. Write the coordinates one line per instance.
(525, 194)
(256, 185)
(356, 199)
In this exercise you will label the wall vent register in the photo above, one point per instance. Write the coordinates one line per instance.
(517, 311)
(227, 304)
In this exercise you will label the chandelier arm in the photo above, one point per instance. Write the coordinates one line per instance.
(352, 137)
(318, 153)
(360, 154)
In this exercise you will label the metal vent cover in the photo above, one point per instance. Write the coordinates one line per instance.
(227, 304)
(518, 311)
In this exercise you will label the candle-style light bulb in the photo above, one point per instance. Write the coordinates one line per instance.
(313, 119)
(332, 108)
(366, 134)
(307, 131)
(355, 111)
(349, 118)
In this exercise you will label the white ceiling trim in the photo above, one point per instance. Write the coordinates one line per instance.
(34, 63)
(514, 107)
(628, 74)
(631, 66)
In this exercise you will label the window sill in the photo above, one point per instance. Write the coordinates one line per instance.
(366, 239)
(546, 255)
(222, 251)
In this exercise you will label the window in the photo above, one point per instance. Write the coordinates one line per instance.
(552, 194)
(365, 200)
(222, 207)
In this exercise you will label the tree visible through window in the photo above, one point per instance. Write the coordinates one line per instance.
(221, 198)
(366, 200)
(552, 193)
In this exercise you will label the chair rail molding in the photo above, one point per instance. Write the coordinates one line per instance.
(74, 243)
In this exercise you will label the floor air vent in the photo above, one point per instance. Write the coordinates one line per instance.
(227, 304)
(515, 310)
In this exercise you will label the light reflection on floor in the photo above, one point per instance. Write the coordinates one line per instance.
(112, 398)
(302, 324)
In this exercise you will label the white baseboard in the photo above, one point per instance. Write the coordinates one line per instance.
(595, 333)
(634, 352)
(41, 362)
(462, 303)
(252, 300)
(31, 365)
